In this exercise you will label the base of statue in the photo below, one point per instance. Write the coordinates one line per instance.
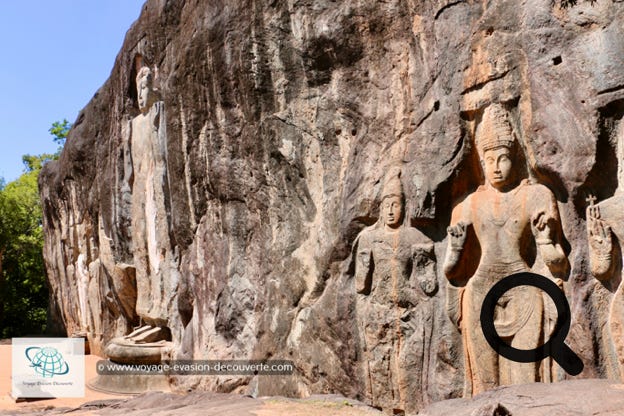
(128, 384)
(126, 351)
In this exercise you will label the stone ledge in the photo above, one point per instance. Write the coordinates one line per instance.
(567, 398)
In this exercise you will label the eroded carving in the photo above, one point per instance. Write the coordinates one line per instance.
(605, 232)
(156, 280)
(513, 220)
(395, 277)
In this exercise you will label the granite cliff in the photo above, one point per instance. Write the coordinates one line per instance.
(281, 120)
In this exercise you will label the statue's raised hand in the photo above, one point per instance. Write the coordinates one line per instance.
(457, 234)
(429, 285)
(539, 226)
(598, 232)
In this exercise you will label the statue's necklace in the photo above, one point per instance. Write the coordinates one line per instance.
(502, 211)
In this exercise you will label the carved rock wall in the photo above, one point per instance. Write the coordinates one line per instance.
(282, 118)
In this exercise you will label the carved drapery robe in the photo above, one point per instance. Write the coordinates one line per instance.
(502, 225)
(393, 269)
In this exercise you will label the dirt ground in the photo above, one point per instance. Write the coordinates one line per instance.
(313, 407)
(156, 404)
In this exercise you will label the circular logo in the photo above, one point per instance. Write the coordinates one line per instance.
(47, 361)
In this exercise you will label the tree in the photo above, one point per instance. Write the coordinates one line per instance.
(35, 163)
(22, 276)
(59, 132)
(23, 286)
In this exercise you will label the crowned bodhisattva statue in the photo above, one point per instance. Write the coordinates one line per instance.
(513, 221)
(395, 277)
(605, 232)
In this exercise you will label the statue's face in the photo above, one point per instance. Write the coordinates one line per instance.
(143, 91)
(497, 165)
(392, 208)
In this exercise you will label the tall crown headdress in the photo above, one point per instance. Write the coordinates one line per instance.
(392, 184)
(494, 130)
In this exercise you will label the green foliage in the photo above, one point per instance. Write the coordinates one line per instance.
(36, 162)
(23, 287)
(24, 293)
(59, 132)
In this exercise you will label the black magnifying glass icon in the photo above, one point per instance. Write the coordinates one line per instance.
(555, 346)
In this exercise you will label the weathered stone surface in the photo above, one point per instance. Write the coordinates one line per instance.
(606, 236)
(206, 404)
(282, 118)
(567, 398)
(156, 273)
(516, 225)
(395, 277)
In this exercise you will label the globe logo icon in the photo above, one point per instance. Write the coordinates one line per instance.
(47, 361)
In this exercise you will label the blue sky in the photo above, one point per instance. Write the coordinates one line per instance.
(55, 56)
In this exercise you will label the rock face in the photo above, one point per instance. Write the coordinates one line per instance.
(281, 121)
(568, 398)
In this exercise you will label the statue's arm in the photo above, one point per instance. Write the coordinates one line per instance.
(546, 228)
(423, 268)
(363, 259)
(454, 259)
(600, 244)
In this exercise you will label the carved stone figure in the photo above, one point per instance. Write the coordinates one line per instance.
(82, 283)
(395, 276)
(513, 220)
(155, 280)
(605, 232)
(148, 222)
